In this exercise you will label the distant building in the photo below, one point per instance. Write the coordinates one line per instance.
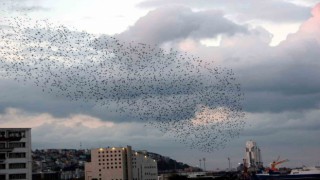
(15, 153)
(253, 155)
(120, 163)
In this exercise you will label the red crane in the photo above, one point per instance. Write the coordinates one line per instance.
(277, 162)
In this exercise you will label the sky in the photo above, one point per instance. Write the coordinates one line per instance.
(273, 48)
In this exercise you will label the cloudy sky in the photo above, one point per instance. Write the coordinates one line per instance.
(273, 48)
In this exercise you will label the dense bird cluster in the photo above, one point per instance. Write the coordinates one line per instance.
(198, 103)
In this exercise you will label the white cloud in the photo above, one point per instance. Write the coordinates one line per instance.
(50, 131)
(13, 117)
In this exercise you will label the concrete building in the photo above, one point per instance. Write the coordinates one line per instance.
(253, 155)
(15, 153)
(120, 163)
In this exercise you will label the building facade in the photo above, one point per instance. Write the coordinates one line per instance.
(120, 163)
(253, 155)
(15, 153)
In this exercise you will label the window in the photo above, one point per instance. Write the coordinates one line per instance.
(2, 166)
(2, 156)
(2, 145)
(16, 134)
(17, 145)
(2, 134)
(17, 166)
(17, 176)
(17, 155)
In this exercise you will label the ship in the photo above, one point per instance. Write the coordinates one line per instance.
(273, 172)
(297, 174)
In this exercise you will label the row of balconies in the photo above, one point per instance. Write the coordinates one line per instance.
(8, 149)
(10, 138)
(14, 135)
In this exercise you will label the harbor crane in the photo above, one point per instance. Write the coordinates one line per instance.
(277, 162)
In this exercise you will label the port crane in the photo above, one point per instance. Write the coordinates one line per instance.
(277, 162)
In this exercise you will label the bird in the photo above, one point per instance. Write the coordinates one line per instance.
(193, 100)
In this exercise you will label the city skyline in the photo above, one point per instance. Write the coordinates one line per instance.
(271, 46)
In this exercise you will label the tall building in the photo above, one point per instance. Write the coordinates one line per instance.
(15, 153)
(120, 163)
(253, 155)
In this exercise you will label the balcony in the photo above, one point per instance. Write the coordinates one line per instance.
(10, 138)
(6, 150)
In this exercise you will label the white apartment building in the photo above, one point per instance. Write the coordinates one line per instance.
(120, 163)
(253, 154)
(15, 153)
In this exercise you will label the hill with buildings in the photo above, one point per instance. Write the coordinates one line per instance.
(71, 161)
(166, 164)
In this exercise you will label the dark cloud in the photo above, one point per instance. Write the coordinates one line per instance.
(275, 79)
(288, 72)
(266, 101)
(273, 10)
(282, 84)
(269, 124)
(177, 22)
